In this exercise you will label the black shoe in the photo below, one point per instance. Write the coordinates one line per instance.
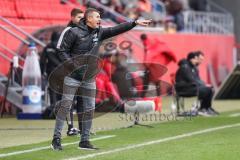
(212, 111)
(73, 132)
(87, 146)
(56, 144)
(204, 112)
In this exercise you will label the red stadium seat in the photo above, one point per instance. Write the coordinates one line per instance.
(31, 15)
(7, 8)
(42, 9)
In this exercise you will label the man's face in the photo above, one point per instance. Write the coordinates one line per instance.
(76, 19)
(200, 59)
(94, 20)
(194, 61)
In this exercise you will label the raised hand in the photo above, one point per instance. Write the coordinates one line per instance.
(144, 22)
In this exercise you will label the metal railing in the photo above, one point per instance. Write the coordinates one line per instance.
(21, 31)
(5, 57)
(14, 34)
(208, 23)
(9, 59)
(214, 7)
(220, 22)
(18, 37)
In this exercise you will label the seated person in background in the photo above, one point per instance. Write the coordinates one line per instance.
(200, 56)
(189, 83)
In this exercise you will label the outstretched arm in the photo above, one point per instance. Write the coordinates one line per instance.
(123, 27)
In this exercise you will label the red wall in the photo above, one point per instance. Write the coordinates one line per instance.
(12, 43)
(218, 50)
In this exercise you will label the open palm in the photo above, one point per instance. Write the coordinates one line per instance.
(143, 22)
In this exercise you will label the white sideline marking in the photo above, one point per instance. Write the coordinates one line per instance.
(154, 142)
(48, 147)
(234, 115)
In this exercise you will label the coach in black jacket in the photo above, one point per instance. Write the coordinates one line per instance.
(188, 83)
(83, 41)
(185, 78)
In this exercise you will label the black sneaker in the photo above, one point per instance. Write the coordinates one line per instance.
(73, 132)
(204, 112)
(86, 145)
(56, 144)
(212, 111)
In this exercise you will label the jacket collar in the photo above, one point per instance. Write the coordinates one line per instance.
(84, 26)
(184, 62)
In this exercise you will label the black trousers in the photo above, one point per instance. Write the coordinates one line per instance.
(54, 97)
(205, 95)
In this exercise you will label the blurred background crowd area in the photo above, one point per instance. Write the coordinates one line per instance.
(165, 13)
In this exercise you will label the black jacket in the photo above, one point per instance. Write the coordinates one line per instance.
(186, 82)
(82, 40)
(49, 58)
(71, 24)
(199, 81)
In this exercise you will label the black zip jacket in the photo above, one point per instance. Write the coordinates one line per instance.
(83, 40)
(186, 83)
(49, 59)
